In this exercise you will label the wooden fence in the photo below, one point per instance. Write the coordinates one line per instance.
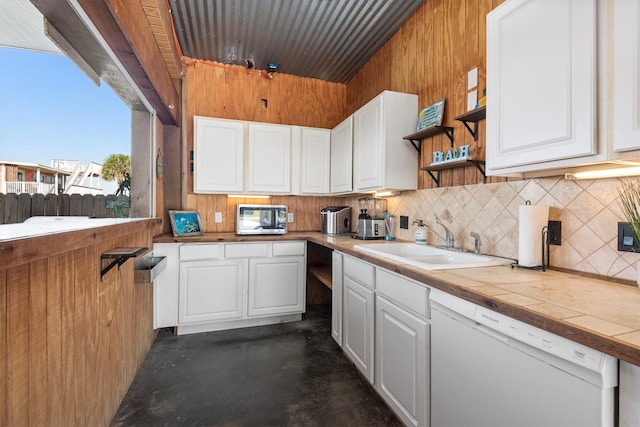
(18, 207)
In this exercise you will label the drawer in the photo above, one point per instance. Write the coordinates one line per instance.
(407, 293)
(193, 251)
(246, 250)
(361, 271)
(288, 248)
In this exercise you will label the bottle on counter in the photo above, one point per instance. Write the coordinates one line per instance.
(421, 232)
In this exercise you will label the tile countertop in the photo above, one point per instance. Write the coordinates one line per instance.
(597, 313)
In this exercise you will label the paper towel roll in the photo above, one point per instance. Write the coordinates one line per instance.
(532, 219)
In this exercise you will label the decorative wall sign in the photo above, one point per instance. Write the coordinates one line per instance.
(440, 157)
(431, 116)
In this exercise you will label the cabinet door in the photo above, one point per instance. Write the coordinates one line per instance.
(541, 82)
(269, 158)
(218, 156)
(368, 146)
(316, 146)
(212, 290)
(165, 287)
(358, 326)
(626, 75)
(336, 297)
(342, 157)
(276, 286)
(402, 373)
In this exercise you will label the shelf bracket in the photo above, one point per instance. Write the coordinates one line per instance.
(474, 131)
(417, 144)
(436, 180)
(484, 176)
(449, 132)
(117, 257)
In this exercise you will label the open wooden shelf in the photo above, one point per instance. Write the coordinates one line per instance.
(416, 138)
(322, 273)
(479, 164)
(473, 116)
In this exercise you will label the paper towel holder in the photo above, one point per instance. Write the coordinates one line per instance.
(544, 258)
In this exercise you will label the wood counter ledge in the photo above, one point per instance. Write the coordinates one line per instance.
(600, 314)
(28, 249)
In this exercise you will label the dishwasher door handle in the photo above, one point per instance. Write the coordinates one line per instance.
(492, 333)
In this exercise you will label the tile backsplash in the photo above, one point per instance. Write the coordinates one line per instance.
(588, 210)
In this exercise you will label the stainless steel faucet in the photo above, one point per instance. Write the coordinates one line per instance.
(476, 243)
(448, 235)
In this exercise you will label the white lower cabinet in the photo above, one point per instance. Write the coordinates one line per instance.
(274, 285)
(212, 290)
(336, 297)
(358, 326)
(165, 286)
(403, 346)
(383, 320)
(216, 286)
(402, 361)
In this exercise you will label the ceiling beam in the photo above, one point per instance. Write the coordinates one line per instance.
(123, 24)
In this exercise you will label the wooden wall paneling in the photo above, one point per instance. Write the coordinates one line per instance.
(234, 94)
(105, 292)
(58, 272)
(3, 347)
(212, 90)
(77, 324)
(188, 95)
(269, 90)
(457, 77)
(17, 336)
(202, 88)
(438, 75)
(38, 343)
(424, 59)
(86, 280)
(471, 54)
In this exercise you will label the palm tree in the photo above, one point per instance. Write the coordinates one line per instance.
(118, 167)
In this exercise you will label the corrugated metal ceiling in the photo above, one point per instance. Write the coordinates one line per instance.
(324, 39)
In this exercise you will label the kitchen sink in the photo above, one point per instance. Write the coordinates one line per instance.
(430, 257)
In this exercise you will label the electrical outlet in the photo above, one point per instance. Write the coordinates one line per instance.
(555, 232)
(217, 217)
(626, 241)
(404, 222)
(290, 217)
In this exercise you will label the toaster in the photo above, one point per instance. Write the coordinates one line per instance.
(336, 220)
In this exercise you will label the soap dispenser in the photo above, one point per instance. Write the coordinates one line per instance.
(421, 232)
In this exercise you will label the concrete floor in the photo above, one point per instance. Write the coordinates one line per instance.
(292, 374)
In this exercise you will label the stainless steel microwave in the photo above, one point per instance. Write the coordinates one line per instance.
(261, 219)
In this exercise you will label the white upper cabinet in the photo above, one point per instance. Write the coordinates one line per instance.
(218, 155)
(541, 83)
(381, 158)
(342, 157)
(310, 165)
(269, 159)
(626, 75)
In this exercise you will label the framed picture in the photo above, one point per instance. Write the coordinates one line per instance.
(185, 223)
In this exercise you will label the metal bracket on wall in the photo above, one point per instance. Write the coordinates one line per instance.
(118, 256)
(473, 116)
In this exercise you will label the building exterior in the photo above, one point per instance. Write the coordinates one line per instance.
(62, 177)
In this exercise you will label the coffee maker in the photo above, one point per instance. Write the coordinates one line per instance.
(371, 225)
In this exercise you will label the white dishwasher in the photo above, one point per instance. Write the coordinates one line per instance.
(490, 370)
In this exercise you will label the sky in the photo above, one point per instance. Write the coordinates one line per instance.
(49, 109)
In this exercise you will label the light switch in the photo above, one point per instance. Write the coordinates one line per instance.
(290, 217)
(218, 217)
